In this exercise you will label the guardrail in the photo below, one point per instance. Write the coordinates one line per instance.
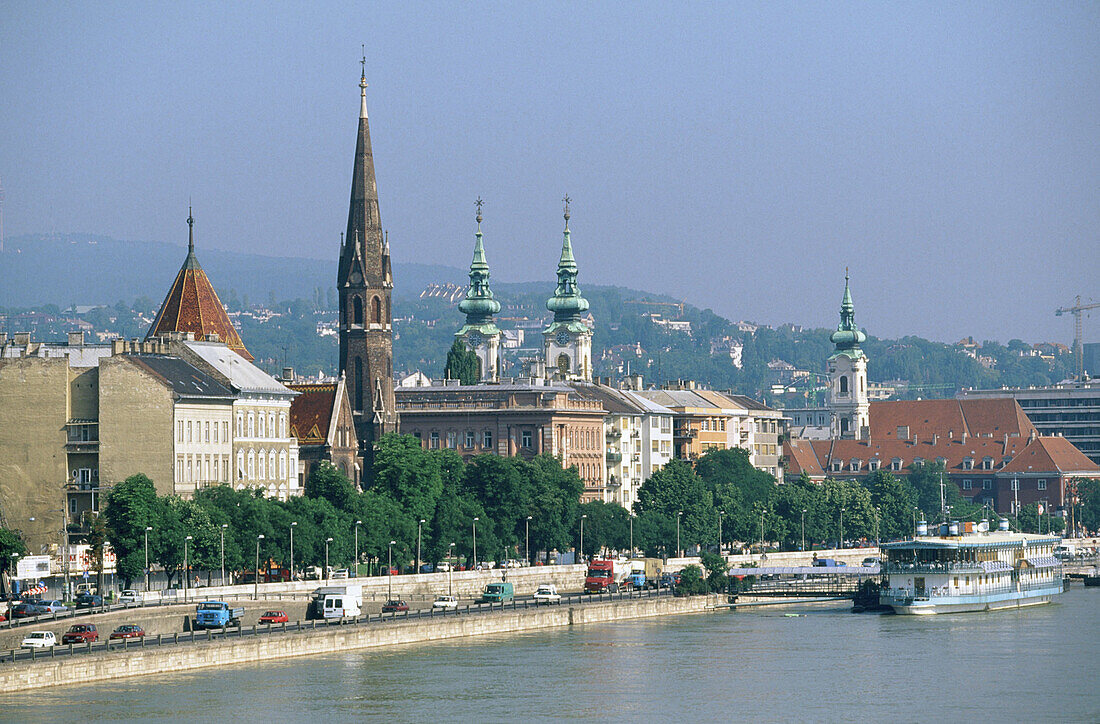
(13, 656)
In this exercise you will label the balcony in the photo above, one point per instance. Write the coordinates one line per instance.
(685, 433)
(614, 458)
(614, 434)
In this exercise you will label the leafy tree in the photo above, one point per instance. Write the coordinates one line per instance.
(130, 507)
(462, 364)
(675, 491)
(407, 473)
(692, 582)
(329, 482)
(896, 501)
(716, 568)
(606, 527)
(1088, 510)
(10, 543)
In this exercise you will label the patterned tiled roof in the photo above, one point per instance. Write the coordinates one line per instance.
(311, 412)
(193, 306)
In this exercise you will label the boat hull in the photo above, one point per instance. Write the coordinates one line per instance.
(973, 604)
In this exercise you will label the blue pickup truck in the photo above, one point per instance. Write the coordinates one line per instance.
(217, 614)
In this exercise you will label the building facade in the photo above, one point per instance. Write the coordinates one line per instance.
(322, 421)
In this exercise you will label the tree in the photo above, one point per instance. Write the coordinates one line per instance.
(462, 364)
(11, 544)
(673, 490)
(738, 489)
(607, 526)
(691, 582)
(895, 500)
(716, 568)
(408, 474)
(328, 482)
(130, 507)
(1088, 511)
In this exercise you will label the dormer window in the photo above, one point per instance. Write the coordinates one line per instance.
(968, 463)
(941, 461)
(987, 463)
(895, 464)
(853, 465)
(837, 466)
(874, 464)
(918, 462)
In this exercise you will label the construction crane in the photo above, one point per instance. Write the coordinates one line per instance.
(1076, 311)
(679, 305)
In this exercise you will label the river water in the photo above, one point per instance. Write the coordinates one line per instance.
(759, 664)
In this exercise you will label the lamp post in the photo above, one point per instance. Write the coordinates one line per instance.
(327, 541)
(721, 514)
(679, 514)
(355, 563)
(419, 525)
(527, 539)
(222, 531)
(762, 511)
(389, 571)
(474, 565)
(293, 525)
(186, 540)
(914, 521)
(878, 537)
(11, 575)
(842, 528)
(581, 551)
(256, 578)
(450, 568)
(147, 529)
(803, 530)
(632, 534)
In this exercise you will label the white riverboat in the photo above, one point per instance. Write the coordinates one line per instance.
(970, 570)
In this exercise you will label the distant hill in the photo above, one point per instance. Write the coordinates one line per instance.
(86, 269)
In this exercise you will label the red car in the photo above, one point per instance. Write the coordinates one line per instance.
(274, 617)
(394, 605)
(80, 633)
(128, 631)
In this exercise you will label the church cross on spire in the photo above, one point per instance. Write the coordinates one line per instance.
(566, 201)
(363, 84)
(479, 203)
(190, 231)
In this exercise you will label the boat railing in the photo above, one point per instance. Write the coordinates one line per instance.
(931, 567)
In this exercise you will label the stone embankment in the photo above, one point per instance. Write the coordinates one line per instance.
(327, 639)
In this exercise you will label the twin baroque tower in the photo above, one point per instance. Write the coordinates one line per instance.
(365, 285)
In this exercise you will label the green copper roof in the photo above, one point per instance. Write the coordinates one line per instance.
(847, 336)
(479, 306)
(567, 304)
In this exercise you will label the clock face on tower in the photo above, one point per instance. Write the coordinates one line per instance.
(562, 338)
(474, 338)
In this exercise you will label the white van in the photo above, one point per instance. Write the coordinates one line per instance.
(336, 602)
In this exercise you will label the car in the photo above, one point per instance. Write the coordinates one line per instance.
(129, 596)
(128, 631)
(341, 573)
(26, 609)
(394, 605)
(870, 562)
(54, 607)
(39, 640)
(390, 572)
(88, 600)
(443, 567)
(547, 593)
(80, 633)
(447, 603)
(274, 617)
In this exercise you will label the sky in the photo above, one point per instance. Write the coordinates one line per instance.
(736, 155)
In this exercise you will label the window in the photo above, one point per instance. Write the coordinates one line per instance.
(251, 465)
(376, 310)
(968, 463)
(452, 439)
(433, 440)
(654, 422)
(357, 310)
(271, 464)
(251, 425)
(987, 485)
(873, 464)
(525, 438)
(918, 462)
(844, 385)
(262, 469)
(895, 464)
(180, 432)
(837, 466)
(206, 435)
(1042, 485)
(854, 465)
(987, 463)
(240, 464)
(240, 426)
(225, 431)
(487, 439)
(188, 431)
(261, 425)
(469, 438)
(1015, 485)
(282, 424)
(215, 432)
(179, 468)
(653, 446)
(968, 484)
(282, 465)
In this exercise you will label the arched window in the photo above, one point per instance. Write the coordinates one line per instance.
(251, 465)
(282, 466)
(263, 469)
(240, 464)
(271, 424)
(357, 314)
(251, 425)
(563, 363)
(261, 424)
(271, 464)
(376, 310)
(358, 383)
(844, 385)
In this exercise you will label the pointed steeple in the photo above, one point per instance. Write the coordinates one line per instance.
(364, 219)
(567, 302)
(479, 306)
(848, 336)
(193, 306)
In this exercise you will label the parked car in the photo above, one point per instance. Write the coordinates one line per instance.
(274, 617)
(54, 607)
(39, 640)
(870, 562)
(80, 633)
(547, 593)
(88, 600)
(447, 603)
(128, 631)
(341, 573)
(443, 567)
(129, 596)
(394, 605)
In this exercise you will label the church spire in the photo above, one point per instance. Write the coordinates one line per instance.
(848, 336)
(363, 85)
(567, 302)
(479, 306)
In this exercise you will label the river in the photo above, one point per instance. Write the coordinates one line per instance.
(759, 664)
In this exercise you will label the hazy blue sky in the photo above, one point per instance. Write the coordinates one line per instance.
(735, 155)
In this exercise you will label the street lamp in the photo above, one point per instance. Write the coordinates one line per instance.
(222, 531)
(389, 571)
(878, 538)
(147, 529)
(450, 568)
(419, 525)
(762, 511)
(293, 525)
(327, 541)
(679, 514)
(12, 572)
(476, 519)
(842, 528)
(582, 535)
(355, 565)
(914, 521)
(527, 539)
(721, 514)
(632, 534)
(185, 567)
(803, 530)
(256, 578)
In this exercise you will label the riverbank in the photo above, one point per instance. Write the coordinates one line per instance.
(328, 639)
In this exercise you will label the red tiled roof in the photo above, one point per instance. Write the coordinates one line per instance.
(1046, 454)
(311, 411)
(801, 458)
(948, 419)
(193, 306)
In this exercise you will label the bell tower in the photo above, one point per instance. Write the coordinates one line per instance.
(480, 332)
(567, 342)
(848, 396)
(365, 284)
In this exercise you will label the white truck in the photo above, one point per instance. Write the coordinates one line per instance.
(336, 602)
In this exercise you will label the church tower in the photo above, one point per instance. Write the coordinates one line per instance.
(480, 333)
(567, 342)
(365, 284)
(848, 400)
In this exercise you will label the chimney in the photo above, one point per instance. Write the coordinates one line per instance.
(118, 346)
(1031, 437)
(288, 374)
(21, 339)
(76, 339)
(3, 338)
(964, 437)
(935, 439)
